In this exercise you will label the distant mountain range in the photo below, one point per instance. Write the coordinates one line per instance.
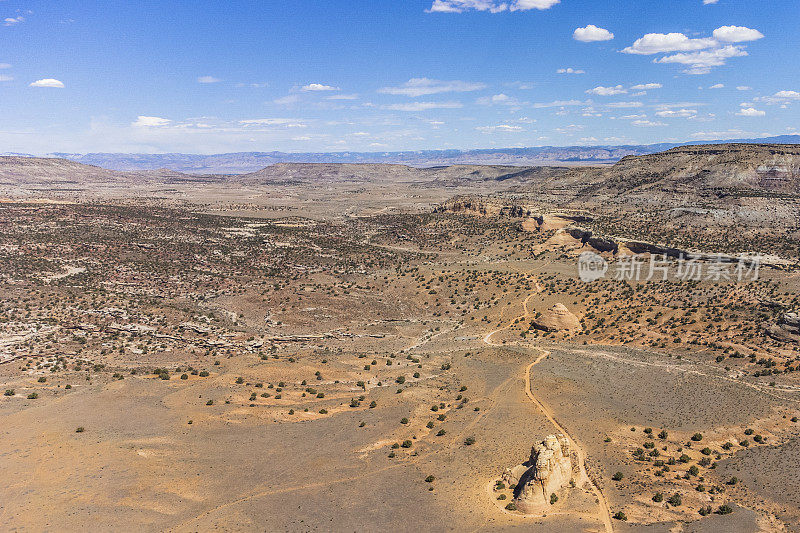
(246, 162)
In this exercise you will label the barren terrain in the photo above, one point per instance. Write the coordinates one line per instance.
(330, 348)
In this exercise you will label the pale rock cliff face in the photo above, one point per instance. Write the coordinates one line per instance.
(548, 470)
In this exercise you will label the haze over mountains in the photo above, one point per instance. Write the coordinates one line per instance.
(246, 162)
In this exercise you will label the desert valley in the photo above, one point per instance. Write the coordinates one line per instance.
(326, 347)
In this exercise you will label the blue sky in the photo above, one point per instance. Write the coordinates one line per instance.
(379, 75)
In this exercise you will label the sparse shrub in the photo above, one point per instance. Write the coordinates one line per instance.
(469, 441)
(619, 515)
(618, 476)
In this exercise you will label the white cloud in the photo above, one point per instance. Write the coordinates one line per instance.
(744, 88)
(658, 43)
(499, 99)
(677, 113)
(633, 117)
(13, 21)
(624, 105)
(459, 6)
(48, 82)
(708, 2)
(289, 122)
(424, 86)
(147, 122)
(502, 128)
(607, 91)
(751, 112)
(699, 54)
(318, 87)
(572, 128)
(646, 86)
(208, 79)
(570, 70)
(717, 86)
(423, 106)
(559, 103)
(647, 124)
(6, 78)
(736, 34)
(342, 97)
(790, 95)
(5, 65)
(701, 62)
(591, 34)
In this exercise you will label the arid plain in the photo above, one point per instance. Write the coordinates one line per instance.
(373, 347)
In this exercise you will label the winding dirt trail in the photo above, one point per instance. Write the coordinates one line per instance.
(604, 514)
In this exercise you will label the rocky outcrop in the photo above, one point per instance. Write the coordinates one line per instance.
(557, 318)
(548, 470)
(787, 328)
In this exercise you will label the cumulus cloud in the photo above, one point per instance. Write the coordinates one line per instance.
(701, 62)
(699, 54)
(13, 21)
(208, 79)
(790, 95)
(647, 124)
(149, 122)
(677, 113)
(780, 98)
(560, 103)
(502, 128)
(657, 43)
(624, 105)
(423, 86)
(499, 99)
(717, 86)
(570, 70)
(751, 112)
(646, 86)
(423, 106)
(736, 34)
(592, 33)
(707, 2)
(492, 6)
(48, 82)
(318, 87)
(607, 91)
(288, 122)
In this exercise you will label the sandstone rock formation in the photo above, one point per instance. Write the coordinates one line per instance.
(558, 318)
(548, 470)
(787, 328)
